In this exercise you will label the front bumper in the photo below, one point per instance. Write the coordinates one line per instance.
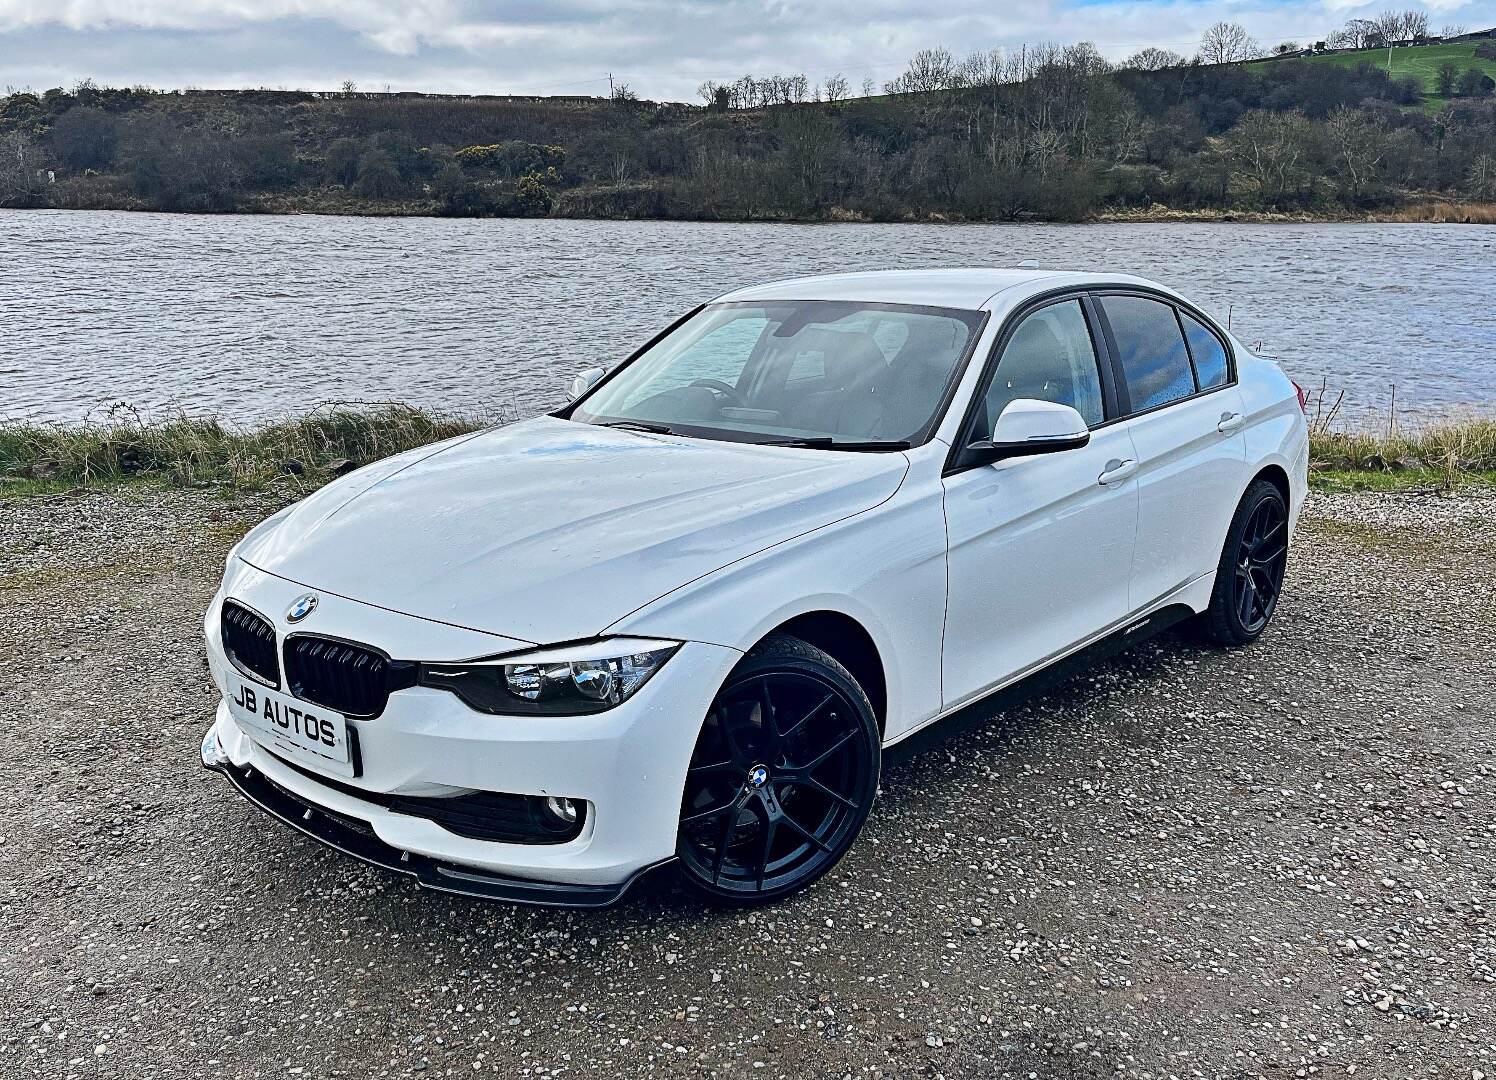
(358, 839)
(628, 764)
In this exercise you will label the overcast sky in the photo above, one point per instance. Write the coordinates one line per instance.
(661, 48)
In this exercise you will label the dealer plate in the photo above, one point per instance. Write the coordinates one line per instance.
(293, 728)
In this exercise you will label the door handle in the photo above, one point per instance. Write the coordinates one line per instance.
(1116, 471)
(1230, 421)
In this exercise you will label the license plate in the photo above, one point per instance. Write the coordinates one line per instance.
(291, 727)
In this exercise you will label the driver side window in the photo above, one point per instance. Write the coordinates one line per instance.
(1049, 357)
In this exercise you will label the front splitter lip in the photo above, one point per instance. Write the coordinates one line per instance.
(343, 833)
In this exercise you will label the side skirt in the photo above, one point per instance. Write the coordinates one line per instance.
(979, 711)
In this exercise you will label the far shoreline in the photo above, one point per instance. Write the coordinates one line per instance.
(1432, 212)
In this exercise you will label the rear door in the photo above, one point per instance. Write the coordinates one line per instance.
(1040, 547)
(1176, 383)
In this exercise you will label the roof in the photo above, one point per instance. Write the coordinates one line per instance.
(971, 288)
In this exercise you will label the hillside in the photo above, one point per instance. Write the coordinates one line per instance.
(1421, 62)
(1062, 136)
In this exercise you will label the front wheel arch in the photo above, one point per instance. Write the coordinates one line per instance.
(847, 641)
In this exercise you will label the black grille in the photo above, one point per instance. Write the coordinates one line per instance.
(347, 678)
(478, 815)
(249, 642)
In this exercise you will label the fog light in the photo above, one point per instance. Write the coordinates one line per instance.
(563, 809)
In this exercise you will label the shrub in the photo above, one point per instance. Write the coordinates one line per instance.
(84, 138)
(513, 159)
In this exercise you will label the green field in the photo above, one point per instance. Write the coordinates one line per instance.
(1420, 61)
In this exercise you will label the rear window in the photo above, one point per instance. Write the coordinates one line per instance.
(1151, 347)
(1207, 351)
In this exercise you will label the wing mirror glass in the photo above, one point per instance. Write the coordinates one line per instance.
(583, 382)
(1028, 426)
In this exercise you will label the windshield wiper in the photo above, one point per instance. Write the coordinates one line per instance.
(825, 443)
(639, 425)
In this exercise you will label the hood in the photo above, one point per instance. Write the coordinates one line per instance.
(549, 530)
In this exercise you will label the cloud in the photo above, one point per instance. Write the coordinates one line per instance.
(663, 48)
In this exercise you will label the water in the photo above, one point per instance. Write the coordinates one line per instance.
(256, 317)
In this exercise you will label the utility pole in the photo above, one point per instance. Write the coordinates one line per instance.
(610, 85)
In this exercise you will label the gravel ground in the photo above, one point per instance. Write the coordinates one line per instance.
(1276, 862)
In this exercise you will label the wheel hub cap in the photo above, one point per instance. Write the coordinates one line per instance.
(758, 776)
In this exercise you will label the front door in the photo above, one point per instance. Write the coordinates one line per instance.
(1040, 547)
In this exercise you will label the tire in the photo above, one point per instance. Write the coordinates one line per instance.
(782, 777)
(1249, 577)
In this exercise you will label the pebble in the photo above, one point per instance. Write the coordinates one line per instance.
(1182, 862)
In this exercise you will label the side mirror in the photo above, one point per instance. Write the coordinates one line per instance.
(583, 382)
(1028, 426)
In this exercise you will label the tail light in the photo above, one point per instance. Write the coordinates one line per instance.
(1303, 398)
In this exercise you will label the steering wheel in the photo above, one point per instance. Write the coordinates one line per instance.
(722, 388)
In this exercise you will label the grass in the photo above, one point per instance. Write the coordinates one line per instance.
(296, 455)
(1442, 455)
(1420, 61)
(300, 453)
(1471, 213)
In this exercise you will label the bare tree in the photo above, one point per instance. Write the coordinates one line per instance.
(1152, 59)
(1449, 30)
(1482, 178)
(1270, 149)
(21, 179)
(1358, 142)
(835, 87)
(1356, 34)
(1388, 27)
(1408, 25)
(869, 88)
(981, 68)
(1228, 43)
(1415, 24)
(929, 69)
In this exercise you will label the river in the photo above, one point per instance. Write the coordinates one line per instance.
(258, 317)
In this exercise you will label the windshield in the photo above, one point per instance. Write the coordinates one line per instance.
(806, 372)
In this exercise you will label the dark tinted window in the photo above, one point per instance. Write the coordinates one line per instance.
(1152, 350)
(1208, 353)
(1050, 357)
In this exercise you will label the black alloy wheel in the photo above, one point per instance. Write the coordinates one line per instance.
(1249, 579)
(782, 777)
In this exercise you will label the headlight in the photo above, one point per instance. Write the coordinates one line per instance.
(564, 681)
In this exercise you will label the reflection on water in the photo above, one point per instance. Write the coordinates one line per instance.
(256, 316)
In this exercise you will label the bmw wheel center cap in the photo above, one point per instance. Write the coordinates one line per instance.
(758, 776)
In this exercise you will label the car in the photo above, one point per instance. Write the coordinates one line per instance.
(680, 619)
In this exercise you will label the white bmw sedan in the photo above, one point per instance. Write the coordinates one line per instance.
(679, 619)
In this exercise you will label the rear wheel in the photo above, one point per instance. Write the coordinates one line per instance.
(1249, 579)
(782, 777)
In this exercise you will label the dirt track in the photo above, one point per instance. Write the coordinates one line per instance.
(1274, 862)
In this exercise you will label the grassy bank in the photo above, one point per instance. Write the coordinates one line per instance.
(301, 453)
(297, 453)
(1441, 455)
